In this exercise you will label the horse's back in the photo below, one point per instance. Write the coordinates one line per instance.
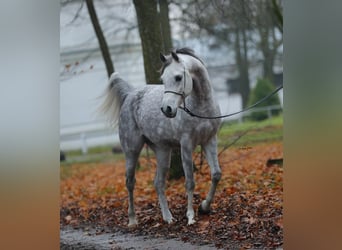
(140, 113)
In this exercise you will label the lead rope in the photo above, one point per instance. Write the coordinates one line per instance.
(221, 116)
(235, 113)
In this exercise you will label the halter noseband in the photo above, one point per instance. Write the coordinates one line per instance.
(174, 92)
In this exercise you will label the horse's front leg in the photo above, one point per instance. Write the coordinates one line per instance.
(211, 154)
(186, 152)
(163, 164)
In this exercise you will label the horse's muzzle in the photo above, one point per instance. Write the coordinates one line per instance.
(168, 112)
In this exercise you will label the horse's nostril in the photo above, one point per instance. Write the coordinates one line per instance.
(168, 112)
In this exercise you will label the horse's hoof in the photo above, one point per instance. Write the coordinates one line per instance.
(191, 221)
(170, 220)
(132, 223)
(201, 210)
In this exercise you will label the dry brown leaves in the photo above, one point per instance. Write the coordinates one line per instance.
(246, 213)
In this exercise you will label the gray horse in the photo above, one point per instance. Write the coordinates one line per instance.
(151, 115)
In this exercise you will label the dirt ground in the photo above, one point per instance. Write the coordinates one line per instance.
(90, 239)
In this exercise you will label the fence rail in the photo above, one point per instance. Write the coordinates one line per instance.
(85, 135)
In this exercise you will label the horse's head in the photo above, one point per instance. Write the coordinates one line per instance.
(177, 83)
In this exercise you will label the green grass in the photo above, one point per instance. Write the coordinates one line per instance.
(253, 132)
(233, 127)
(93, 150)
(94, 155)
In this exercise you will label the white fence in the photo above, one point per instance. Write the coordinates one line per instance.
(85, 135)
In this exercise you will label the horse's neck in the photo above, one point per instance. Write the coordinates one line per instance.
(202, 89)
(202, 92)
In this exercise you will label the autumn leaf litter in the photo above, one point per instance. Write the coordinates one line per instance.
(247, 211)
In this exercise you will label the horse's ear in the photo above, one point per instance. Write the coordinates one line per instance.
(162, 57)
(175, 56)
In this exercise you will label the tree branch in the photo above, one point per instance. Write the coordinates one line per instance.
(100, 37)
(278, 15)
(77, 14)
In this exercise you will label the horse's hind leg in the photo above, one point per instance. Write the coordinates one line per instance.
(131, 161)
(211, 154)
(132, 155)
(163, 163)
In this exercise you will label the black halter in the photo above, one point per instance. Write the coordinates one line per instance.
(177, 93)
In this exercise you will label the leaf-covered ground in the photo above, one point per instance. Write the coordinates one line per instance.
(246, 212)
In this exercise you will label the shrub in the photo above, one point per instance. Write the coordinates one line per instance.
(263, 88)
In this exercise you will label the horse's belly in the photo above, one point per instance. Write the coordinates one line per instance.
(161, 137)
(204, 131)
(168, 135)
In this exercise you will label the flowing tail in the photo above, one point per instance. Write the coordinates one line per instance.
(114, 96)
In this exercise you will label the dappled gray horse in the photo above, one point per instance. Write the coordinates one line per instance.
(151, 115)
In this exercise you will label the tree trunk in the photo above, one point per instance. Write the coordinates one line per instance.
(102, 41)
(268, 54)
(151, 38)
(245, 88)
(242, 65)
(165, 25)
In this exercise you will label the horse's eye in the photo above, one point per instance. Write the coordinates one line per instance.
(178, 78)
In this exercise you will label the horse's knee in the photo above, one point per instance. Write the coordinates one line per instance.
(189, 185)
(216, 176)
(130, 182)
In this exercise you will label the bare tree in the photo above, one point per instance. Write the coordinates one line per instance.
(236, 24)
(228, 22)
(278, 13)
(241, 27)
(265, 24)
(78, 17)
(100, 36)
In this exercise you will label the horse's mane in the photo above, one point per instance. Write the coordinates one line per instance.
(188, 51)
(184, 51)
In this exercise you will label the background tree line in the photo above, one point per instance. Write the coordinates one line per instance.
(243, 26)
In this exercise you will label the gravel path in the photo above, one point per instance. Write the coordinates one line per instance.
(88, 240)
